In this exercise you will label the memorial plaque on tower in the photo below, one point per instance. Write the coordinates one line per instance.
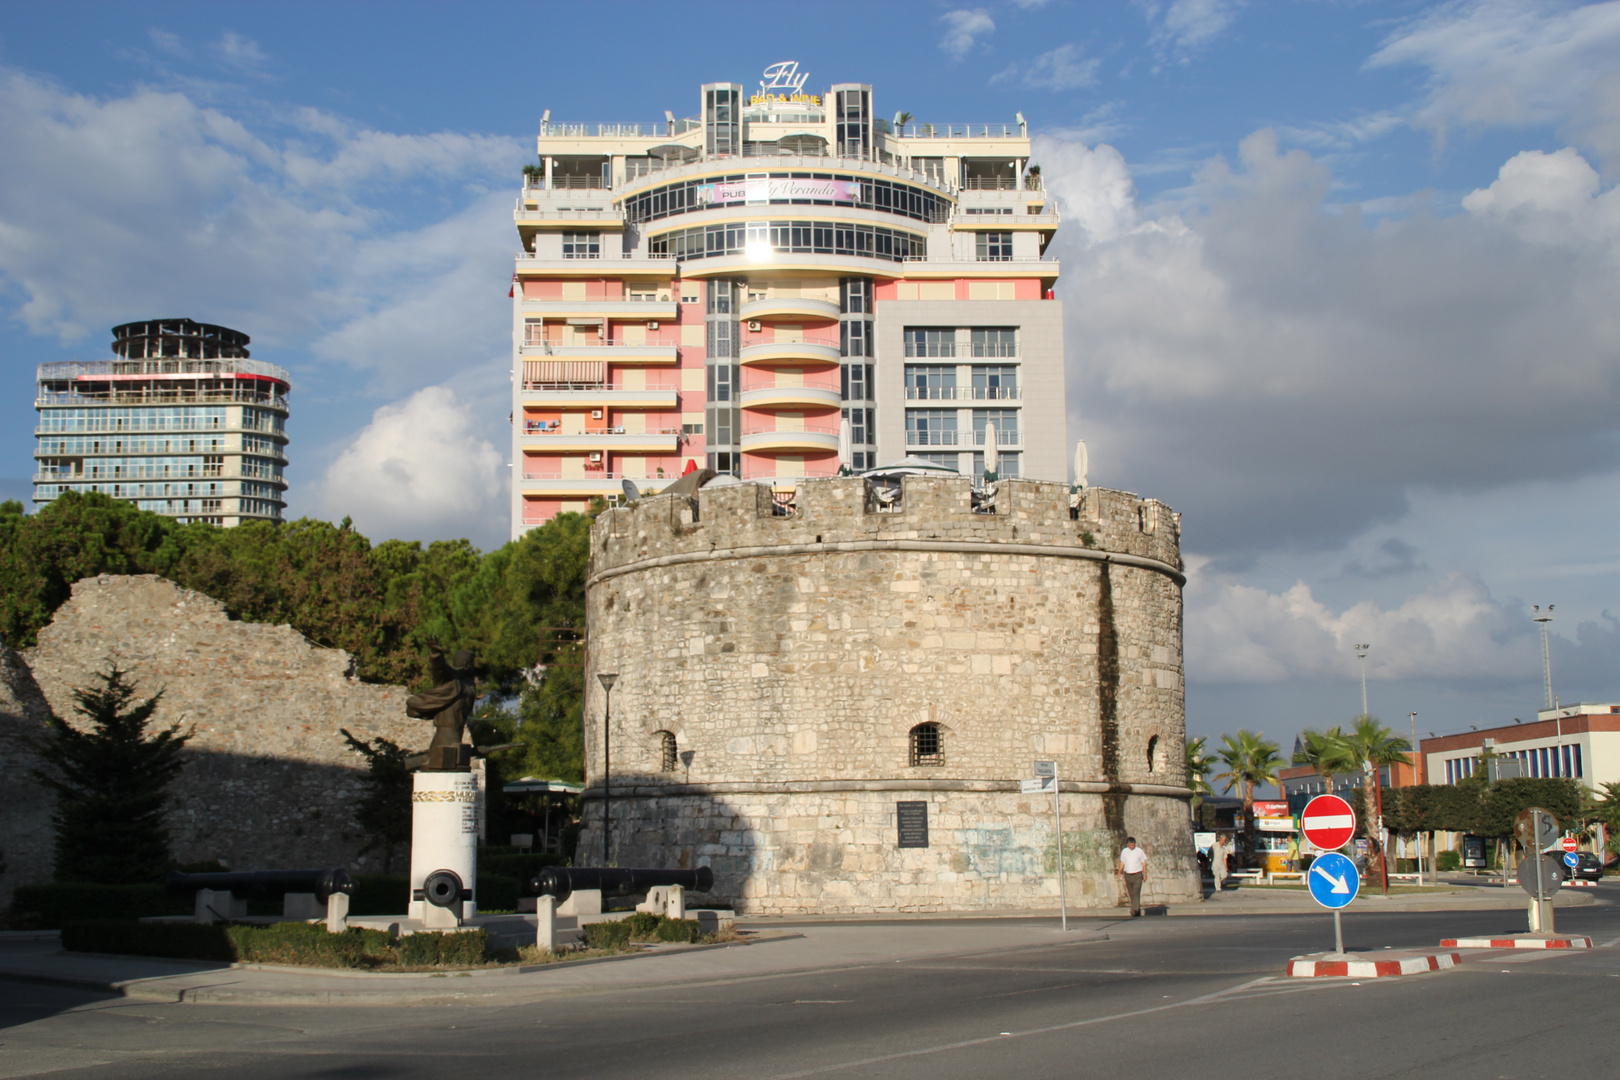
(912, 819)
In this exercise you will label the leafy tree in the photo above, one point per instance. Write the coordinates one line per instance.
(1199, 765)
(1326, 752)
(1371, 745)
(384, 811)
(1250, 760)
(111, 783)
(1506, 798)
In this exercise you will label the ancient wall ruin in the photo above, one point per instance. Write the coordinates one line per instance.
(268, 782)
(772, 667)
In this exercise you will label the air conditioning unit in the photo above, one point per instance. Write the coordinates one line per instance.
(596, 414)
(753, 324)
(596, 455)
(652, 324)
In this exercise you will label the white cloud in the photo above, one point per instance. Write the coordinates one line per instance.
(1063, 68)
(1184, 26)
(1454, 629)
(963, 28)
(1288, 374)
(421, 469)
(1514, 64)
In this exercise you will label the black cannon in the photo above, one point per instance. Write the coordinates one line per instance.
(264, 884)
(560, 881)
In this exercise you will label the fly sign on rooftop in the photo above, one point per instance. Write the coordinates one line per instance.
(784, 83)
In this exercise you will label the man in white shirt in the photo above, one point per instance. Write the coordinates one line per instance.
(1133, 868)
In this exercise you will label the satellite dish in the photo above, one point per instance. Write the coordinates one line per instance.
(631, 492)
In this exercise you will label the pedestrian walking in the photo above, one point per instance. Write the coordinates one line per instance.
(1133, 868)
(1217, 861)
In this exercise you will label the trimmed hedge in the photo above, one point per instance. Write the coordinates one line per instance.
(51, 906)
(1448, 860)
(304, 944)
(640, 927)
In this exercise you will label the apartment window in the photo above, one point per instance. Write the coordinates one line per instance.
(927, 745)
(855, 295)
(1006, 421)
(860, 425)
(720, 299)
(689, 293)
(995, 341)
(582, 245)
(721, 384)
(668, 759)
(931, 427)
(947, 460)
(689, 430)
(995, 382)
(724, 461)
(930, 341)
(855, 337)
(1007, 465)
(857, 382)
(721, 339)
(931, 382)
(994, 246)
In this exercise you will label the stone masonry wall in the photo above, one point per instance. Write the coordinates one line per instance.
(268, 782)
(791, 656)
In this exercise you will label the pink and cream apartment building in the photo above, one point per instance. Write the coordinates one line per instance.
(725, 289)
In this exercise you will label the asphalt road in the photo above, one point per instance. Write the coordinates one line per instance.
(1199, 997)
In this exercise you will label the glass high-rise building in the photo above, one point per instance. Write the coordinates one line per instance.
(180, 421)
(725, 289)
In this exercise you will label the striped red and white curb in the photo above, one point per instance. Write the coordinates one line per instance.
(1517, 943)
(1373, 969)
(1581, 883)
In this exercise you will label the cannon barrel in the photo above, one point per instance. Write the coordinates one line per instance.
(560, 881)
(265, 884)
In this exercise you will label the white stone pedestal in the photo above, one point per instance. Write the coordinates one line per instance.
(444, 835)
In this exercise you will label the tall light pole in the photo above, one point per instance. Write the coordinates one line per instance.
(1361, 654)
(607, 679)
(1546, 654)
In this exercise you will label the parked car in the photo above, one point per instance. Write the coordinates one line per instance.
(1589, 868)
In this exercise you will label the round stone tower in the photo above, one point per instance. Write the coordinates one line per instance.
(832, 703)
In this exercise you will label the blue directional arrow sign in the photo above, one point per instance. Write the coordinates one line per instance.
(1333, 880)
(1571, 859)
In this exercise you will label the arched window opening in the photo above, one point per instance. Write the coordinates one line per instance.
(927, 745)
(668, 759)
(1153, 752)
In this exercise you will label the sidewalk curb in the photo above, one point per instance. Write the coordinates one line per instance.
(1352, 966)
(1518, 941)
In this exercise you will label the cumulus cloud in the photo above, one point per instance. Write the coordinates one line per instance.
(1064, 68)
(963, 28)
(261, 228)
(1288, 374)
(1393, 557)
(422, 469)
(1515, 64)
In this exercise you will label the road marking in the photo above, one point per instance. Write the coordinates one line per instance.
(964, 1044)
(1606, 944)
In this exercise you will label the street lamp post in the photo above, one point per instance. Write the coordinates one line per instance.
(1361, 654)
(1544, 617)
(607, 679)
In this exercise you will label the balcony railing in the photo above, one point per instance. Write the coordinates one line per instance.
(606, 256)
(960, 438)
(963, 393)
(809, 383)
(159, 366)
(543, 427)
(811, 429)
(658, 129)
(236, 396)
(531, 341)
(1000, 183)
(956, 131)
(752, 338)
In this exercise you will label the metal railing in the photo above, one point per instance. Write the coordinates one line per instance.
(751, 338)
(543, 427)
(159, 366)
(963, 393)
(957, 131)
(241, 396)
(1000, 183)
(627, 255)
(658, 129)
(833, 385)
(807, 429)
(609, 343)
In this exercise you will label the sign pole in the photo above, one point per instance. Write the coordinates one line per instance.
(1338, 932)
(1057, 816)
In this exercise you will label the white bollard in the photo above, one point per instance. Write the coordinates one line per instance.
(675, 908)
(337, 912)
(582, 902)
(545, 923)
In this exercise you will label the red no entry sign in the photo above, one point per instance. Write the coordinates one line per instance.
(1329, 823)
(1571, 844)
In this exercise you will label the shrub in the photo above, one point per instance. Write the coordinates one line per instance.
(1449, 860)
(50, 906)
(460, 947)
(605, 935)
(641, 926)
(307, 944)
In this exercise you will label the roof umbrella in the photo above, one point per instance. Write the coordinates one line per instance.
(992, 456)
(1082, 463)
(845, 454)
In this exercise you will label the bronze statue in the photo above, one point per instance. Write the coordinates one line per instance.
(448, 704)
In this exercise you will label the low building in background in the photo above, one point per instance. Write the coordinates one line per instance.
(1580, 742)
(180, 422)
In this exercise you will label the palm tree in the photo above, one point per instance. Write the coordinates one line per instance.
(1250, 759)
(1324, 751)
(1198, 766)
(1371, 746)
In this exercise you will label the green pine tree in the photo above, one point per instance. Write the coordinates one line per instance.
(111, 781)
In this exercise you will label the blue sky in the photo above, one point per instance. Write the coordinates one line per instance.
(1338, 277)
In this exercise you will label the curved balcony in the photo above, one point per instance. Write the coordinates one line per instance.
(788, 307)
(815, 351)
(813, 437)
(791, 397)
